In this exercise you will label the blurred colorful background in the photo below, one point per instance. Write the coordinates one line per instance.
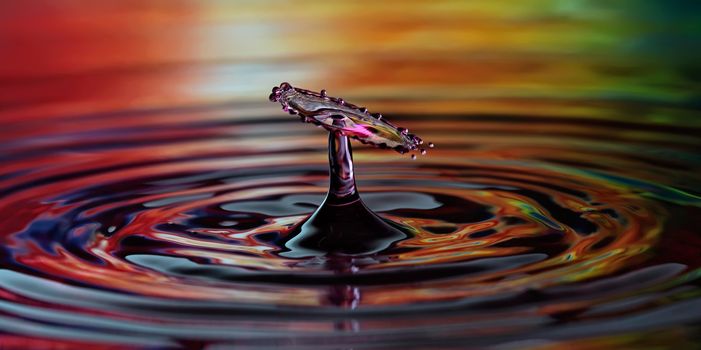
(533, 56)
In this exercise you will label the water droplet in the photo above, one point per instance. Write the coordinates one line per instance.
(431, 145)
(413, 156)
(423, 151)
(322, 93)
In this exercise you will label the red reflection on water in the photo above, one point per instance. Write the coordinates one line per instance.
(73, 57)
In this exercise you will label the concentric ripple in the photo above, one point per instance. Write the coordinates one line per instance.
(167, 228)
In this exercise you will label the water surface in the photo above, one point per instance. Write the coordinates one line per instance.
(148, 199)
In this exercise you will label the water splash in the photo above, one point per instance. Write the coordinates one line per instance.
(337, 115)
(343, 224)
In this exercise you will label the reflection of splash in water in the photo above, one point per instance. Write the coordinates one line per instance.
(510, 235)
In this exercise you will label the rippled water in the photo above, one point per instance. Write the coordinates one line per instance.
(167, 227)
